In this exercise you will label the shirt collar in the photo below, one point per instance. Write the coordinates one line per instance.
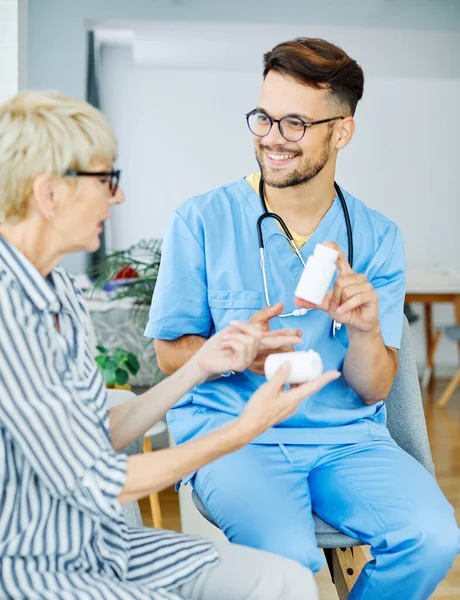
(39, 290)
(270, 226)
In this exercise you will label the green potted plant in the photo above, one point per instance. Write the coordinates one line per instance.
(131, 274)
(117, 366)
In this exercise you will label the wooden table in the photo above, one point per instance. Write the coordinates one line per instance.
(428, 288)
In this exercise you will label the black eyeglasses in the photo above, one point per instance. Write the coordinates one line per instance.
(292, 128)
(110, 177)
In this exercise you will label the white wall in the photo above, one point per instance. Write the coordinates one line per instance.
(170, 147)
(9, 49)
(182, 132)
(57, 50)
(57, 28)
(13, 47)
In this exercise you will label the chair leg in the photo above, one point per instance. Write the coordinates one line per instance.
(450, 389)
(154, 499)
(428, 370)
(328, 557)
(347, 564)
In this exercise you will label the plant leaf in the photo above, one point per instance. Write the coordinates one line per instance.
(109, 376)
(111, 363)
(100, 361)
(122, 376)
(120, 356)
(132, 363)
(102, 349)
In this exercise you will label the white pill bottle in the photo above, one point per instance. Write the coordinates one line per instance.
(305, 365)
(317, 275)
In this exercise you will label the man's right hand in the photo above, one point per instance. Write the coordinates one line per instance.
(272, 342)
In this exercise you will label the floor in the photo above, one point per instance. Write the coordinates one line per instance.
(444, 433)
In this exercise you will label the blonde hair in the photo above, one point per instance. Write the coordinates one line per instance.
(46, 132)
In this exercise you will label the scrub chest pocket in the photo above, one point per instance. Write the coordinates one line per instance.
(228, 305)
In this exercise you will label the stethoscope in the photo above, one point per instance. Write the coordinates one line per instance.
(298, 312)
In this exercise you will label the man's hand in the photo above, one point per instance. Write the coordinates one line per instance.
(353, 301)
(272, 342)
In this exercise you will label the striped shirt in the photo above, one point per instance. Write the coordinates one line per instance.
(62, 529)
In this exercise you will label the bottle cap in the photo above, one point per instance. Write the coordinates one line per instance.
(326, 253)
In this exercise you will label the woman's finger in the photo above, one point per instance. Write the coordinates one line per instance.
(277, 343)
(286, 332)
(278, 381)
(237, 347)
(243, 338)
(252, 329)
(295, 394)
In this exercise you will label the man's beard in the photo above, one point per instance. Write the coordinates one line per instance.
(306, 171)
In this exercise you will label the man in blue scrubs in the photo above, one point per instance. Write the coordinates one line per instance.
(335, 456)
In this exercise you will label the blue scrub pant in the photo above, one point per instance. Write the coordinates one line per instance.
(263, 497)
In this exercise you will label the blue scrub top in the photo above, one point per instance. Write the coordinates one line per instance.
(210, 274)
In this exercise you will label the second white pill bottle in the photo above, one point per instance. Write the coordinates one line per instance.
(305, 365)
(318, 274)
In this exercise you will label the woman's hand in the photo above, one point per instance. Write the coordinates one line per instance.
(236, 347)
(154, 471)
(271, 404)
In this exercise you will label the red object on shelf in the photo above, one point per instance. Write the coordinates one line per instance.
(126, 273)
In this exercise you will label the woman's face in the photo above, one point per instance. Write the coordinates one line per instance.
(82, 211)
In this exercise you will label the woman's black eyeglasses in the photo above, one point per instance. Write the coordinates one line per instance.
(110, 177)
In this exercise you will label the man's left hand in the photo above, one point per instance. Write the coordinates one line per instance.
(353, 301)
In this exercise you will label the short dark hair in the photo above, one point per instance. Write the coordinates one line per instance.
(321, 65)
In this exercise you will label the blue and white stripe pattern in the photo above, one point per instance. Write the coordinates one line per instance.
(62, 530)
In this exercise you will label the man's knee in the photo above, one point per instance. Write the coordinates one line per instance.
(294, 544)
(438, 543)
(433, 542)
(252, 525)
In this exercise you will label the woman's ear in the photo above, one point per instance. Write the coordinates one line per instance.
(44, 195)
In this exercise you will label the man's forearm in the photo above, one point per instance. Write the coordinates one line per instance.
(370, 367)
(173, 354)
